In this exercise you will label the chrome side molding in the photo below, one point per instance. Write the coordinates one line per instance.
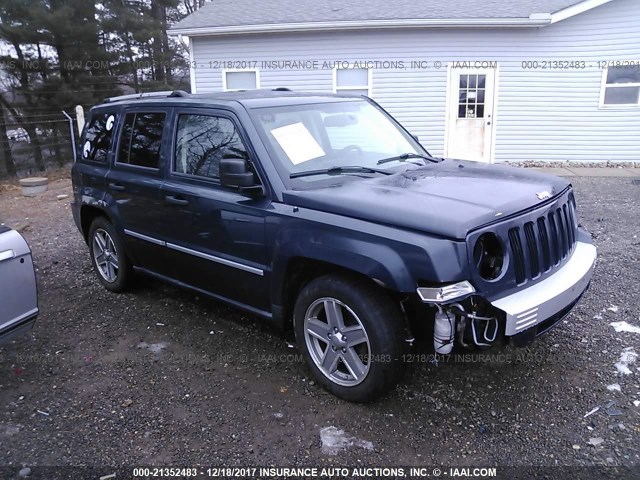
(196, 253)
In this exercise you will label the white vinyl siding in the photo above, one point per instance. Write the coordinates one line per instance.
(540, 113)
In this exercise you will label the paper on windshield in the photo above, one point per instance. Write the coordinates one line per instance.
(298, 143)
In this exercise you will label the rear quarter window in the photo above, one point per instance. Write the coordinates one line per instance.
(97, 137)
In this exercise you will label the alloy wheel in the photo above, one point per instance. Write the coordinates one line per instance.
(337, 341)
(105, 255)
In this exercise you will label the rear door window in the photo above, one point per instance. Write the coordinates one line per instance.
(141, 139)
(97, 137)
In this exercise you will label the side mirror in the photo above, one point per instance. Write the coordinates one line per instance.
(235, 174)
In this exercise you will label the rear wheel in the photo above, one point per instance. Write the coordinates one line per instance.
(107, 255)
(351, 334)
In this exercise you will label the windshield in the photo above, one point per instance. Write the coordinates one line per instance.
(328, 135)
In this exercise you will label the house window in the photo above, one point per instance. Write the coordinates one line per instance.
(354, 81)
(233, 80)
(472, 95)
(621, 86)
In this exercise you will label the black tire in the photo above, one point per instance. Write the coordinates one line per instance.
(380, 318)
(123, 273)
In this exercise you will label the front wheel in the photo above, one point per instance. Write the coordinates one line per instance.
(351, 335)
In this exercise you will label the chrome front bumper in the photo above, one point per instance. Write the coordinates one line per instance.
(533, 305)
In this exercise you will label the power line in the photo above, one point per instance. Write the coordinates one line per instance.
(62, 91)
(41, 115)
(20, 123)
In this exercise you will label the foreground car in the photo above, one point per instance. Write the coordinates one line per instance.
(18, 294)
(322, 213)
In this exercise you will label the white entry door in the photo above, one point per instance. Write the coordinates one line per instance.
(470, 115)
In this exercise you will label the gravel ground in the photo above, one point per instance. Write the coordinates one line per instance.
(160, 376)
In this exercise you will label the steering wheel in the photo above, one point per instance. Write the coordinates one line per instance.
(351, 147)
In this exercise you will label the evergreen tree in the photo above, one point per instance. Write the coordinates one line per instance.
(68, 52)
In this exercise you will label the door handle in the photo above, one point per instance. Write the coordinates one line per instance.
(176, 200)
(7, 255)
(117, 187)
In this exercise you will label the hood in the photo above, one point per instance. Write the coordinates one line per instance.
(449, 198)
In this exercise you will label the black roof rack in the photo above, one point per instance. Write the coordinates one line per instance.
(138, 96)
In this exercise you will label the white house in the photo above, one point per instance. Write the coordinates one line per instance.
(486, 80)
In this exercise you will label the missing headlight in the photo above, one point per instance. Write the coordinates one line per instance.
(488, 256)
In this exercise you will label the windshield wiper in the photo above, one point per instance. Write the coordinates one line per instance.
(406, 156)
(339, 171)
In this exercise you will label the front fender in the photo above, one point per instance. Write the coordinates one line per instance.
(376, 261)
(397, 259)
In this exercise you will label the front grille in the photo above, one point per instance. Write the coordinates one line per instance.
(541, 245)
(544, 241)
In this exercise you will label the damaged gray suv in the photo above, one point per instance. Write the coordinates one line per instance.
(321, 213)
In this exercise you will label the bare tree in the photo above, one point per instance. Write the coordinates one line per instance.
(7, 164)
(191, 6)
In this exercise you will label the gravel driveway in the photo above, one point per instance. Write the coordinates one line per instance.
(160, 376)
